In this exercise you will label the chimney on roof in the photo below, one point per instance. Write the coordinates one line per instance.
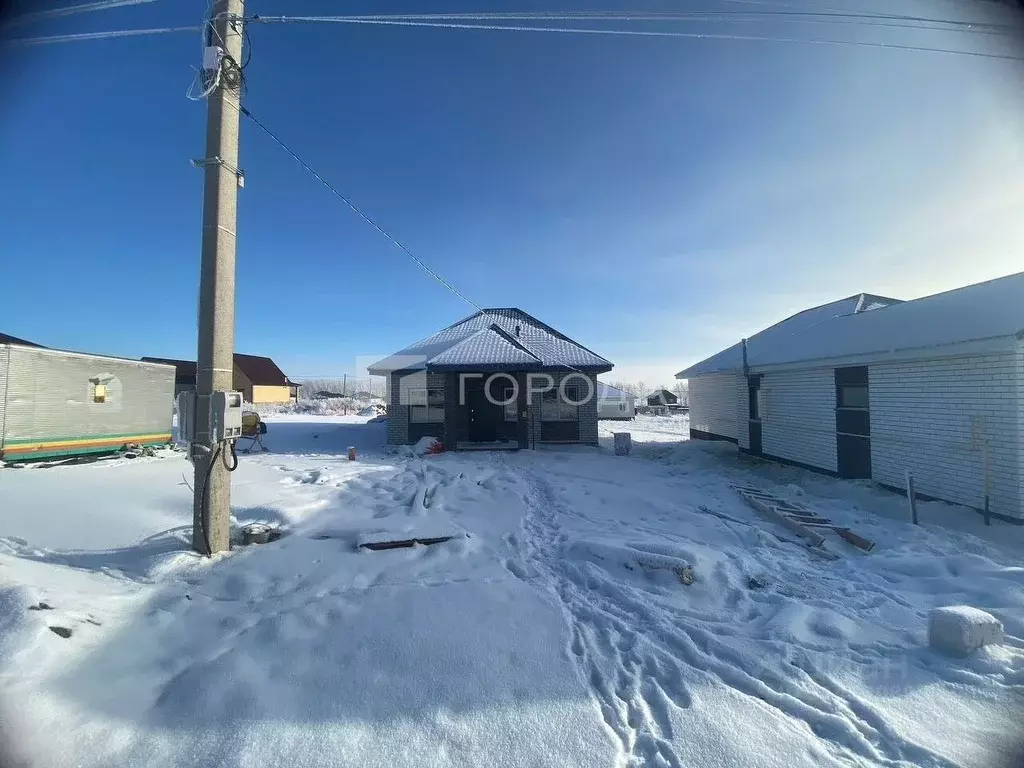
(517, 331)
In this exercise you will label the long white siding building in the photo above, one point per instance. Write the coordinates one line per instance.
(871, 387)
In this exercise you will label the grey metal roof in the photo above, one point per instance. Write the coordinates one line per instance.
(988, 310)
(605, 392)
(506, 338)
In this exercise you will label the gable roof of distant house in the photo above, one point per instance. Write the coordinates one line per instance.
(261, 371)
(662, 391)
(8, 339)
(498, 339)
(877, 326)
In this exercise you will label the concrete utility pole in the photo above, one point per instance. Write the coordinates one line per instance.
(217, 277)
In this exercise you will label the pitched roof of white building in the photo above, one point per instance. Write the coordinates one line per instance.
(605, 392)
(868, 325)
(507, 339)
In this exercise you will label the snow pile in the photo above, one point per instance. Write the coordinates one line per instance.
(422, 447)
(559, 625)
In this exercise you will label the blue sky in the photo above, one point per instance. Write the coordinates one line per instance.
(656, 199)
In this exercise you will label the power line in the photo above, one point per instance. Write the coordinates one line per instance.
(98, 35)
(652, 33)
(53, 13)
(356, 210)
(885, 19)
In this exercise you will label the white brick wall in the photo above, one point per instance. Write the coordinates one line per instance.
(1020, 427)
(798, 417)
(936, 417)
(713, 404)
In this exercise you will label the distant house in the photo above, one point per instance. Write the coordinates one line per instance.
(257, 378)
(468, 385)
(261, 381)
(872, 387)
(614, 403)
(55, 403)
(184, 372)
(662, 397)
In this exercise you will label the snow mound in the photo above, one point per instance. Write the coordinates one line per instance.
(422, 447)
(959, 630)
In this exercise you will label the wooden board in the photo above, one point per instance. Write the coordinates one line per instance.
(399, 544)
(802, 521)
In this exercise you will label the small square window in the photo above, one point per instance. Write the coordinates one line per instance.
(851, 396)
(99, 393)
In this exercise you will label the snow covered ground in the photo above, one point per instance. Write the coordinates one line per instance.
(553, 629)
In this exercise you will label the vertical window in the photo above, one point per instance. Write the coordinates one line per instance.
(511, 408)
(99, 393)
(754, 397)
(426, 405)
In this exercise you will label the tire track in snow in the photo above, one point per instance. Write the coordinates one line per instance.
(631, 653)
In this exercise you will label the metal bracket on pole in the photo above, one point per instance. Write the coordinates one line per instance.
(203, 162)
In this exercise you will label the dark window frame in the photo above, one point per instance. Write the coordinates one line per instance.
(753, 397)
(511, 408)
(571, 393)
(843, 400)
(427, 411)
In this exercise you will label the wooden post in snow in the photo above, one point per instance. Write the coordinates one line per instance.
(911, 497)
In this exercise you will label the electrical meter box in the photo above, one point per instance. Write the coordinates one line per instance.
(187, 417)
(226, 416)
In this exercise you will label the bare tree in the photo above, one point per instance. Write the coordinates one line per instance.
(681, 389)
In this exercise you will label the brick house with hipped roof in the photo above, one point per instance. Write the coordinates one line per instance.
(259, 379)
(478, 384)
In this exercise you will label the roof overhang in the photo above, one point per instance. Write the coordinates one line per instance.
(488, 368)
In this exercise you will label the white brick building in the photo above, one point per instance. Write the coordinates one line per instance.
(497, 379)
(869, 387)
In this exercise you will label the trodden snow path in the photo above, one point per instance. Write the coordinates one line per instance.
(552, 630)
(626, 683)
(637, 656)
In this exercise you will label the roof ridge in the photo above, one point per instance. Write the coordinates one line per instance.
(559, 334)
(511, 339)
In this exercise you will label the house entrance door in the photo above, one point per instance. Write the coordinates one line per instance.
(484, 416)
